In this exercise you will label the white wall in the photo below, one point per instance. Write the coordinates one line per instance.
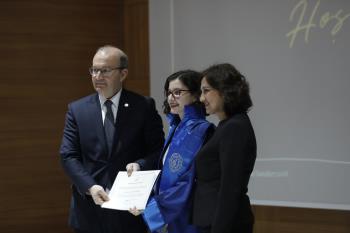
(299, 87)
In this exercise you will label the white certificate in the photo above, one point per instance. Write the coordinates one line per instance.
(129, 192)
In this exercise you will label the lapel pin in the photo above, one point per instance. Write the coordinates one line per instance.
(126, 105)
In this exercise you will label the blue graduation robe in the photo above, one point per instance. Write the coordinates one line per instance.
(169, 209)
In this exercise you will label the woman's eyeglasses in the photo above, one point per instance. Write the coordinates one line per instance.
(175, 93)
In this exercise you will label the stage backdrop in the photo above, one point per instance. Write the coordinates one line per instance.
(296, 56)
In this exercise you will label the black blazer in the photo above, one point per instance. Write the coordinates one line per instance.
(223, 168)
(85, 158)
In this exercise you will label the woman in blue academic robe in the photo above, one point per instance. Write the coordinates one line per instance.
(168, 210)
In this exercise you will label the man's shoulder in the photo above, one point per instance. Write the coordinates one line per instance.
(86, 99)
(133, 96)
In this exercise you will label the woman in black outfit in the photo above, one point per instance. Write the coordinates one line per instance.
(226, 161)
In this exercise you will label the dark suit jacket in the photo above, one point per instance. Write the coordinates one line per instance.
(85, 158)
(223, 168)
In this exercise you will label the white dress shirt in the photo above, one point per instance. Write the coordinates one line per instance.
(115, 100)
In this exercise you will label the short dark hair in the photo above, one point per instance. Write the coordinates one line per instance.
(232, 85)
(123, 61)
(191, 79)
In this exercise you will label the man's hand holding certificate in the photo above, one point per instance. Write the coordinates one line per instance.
(131, 191)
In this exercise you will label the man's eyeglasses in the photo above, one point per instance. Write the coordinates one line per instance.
(175, 93)
(103, 71)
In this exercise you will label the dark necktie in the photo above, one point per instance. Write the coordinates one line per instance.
(109, 125)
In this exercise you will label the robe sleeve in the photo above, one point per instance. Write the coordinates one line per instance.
(168, 205)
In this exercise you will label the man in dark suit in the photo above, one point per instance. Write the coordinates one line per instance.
(103, 133)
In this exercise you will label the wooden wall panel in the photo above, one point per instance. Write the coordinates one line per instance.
(271, 219)
(46, 49)
(136, 44)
